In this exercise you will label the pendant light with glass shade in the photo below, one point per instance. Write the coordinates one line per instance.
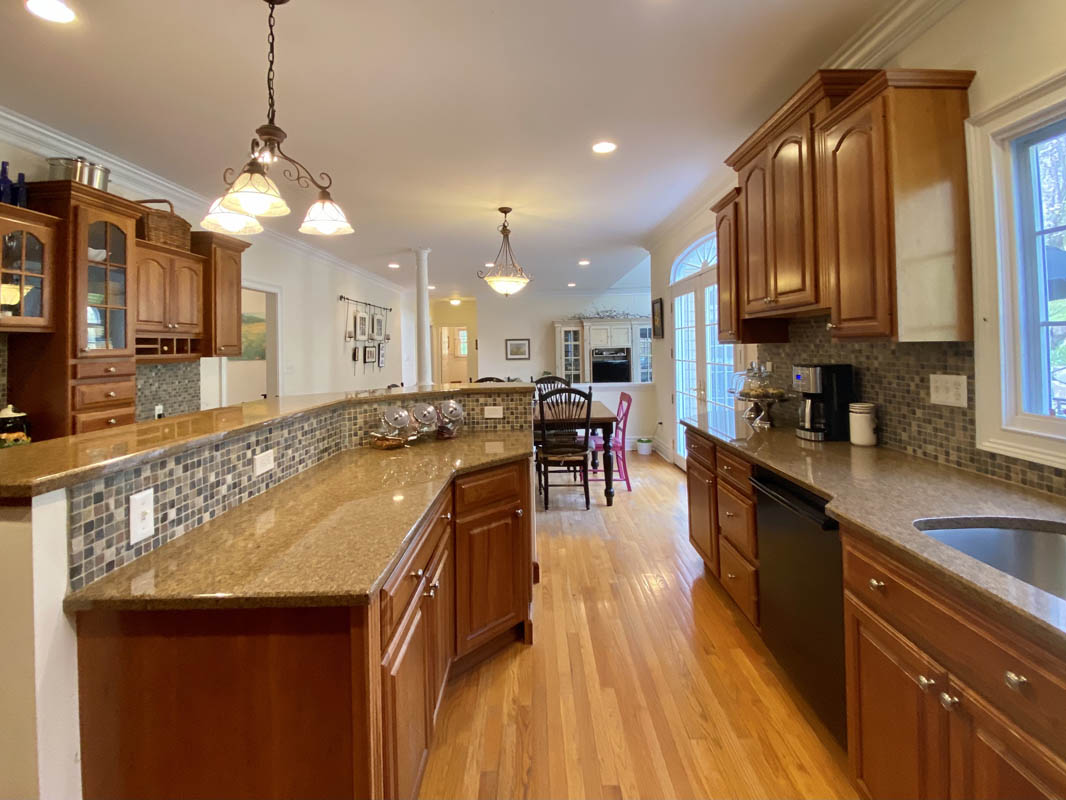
(252, 193)
(504, 275)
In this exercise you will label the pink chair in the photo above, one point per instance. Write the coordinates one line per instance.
(618, 442)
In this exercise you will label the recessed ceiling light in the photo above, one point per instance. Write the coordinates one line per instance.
(455, 301)
(393, 265)
(431, 287)
(571, 285)
(583, 262)
(51, 10)
(604, 147)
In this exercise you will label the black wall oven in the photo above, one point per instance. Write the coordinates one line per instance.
(611, 365)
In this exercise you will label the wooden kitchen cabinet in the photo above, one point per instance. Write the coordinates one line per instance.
(441, 613)
(222, 291)
(169, 290)
(702, 513)
(778, 268)
(405, 705)
(27, 269)
(895, 254)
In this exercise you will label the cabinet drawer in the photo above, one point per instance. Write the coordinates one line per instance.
(410, 574)
(699, 448)
(988, 660)
(740, 580)
(96, 394)
(736, 521)
(104, 369)
(99, 420)
(474, 492)
(736, 470)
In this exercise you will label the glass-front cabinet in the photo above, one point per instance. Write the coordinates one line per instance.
(105, 284)
(570, 354)
(27, 271)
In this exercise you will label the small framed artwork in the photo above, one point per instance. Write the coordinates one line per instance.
(516, 349)
(362, 326)
(370, 353)
(657, 318)
(377, 327)
(381, 356)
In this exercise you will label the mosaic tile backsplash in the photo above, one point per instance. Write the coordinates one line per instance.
(895, 376)
(3, 369)
(204, 482)
(175, 386)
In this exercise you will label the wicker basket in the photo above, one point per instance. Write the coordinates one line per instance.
(163, 227)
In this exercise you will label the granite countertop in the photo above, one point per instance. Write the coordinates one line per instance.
(33, 469)
(328, 536)
(882, 492)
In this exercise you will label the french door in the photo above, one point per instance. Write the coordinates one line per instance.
(703, 369)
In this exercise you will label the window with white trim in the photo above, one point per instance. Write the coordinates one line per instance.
(699, 256)
(1017, 169)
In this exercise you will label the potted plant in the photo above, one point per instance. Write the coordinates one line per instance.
(644, 446)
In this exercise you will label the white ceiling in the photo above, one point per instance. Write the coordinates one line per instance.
(431, 113)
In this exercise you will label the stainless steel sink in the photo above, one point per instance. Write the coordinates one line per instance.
(1033, 551)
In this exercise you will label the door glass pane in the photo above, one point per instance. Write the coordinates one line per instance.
(116, 290)
(118, 244)
(719, 366)
(34, 254)
(685, 396)
(10, 294)
(98, 241)
(97, 285)
(31, 303)
(12, 255)
(95, 338)
(116, 328)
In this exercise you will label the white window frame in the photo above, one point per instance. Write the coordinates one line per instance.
(1002, 424)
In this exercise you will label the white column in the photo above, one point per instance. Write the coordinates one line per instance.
(423, 345)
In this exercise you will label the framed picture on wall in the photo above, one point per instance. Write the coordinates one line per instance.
(516, 349)
(657, 318)
(370, 353)
(377, 327)
(362, 326)
(381, 356)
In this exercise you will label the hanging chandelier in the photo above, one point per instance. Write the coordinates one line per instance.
(504, 274)
(252, 193)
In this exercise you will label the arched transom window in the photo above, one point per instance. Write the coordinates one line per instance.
(700, 256)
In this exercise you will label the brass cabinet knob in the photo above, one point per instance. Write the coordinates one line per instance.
(166, 349)
(948, 701)
(730, 514)
(876, 585)
(432, 591)
(1015, 681)
(417, 574)
(112, 421)
(519, 512)
(111, 394)
(731, 576)
(926, 683)
(110, 369)
(830, 326)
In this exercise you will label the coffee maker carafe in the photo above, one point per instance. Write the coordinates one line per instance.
(825, 391)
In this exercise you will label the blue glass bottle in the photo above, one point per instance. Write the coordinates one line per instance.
(5, 184)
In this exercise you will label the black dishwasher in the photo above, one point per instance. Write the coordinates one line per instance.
(801, 595)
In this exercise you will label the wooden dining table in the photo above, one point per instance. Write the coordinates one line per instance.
(602, 419)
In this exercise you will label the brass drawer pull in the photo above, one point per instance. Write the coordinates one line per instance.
(727, 468)
(111, 394)
(829, 326)
(732, 576)
(447, 517)
(730, 514)
(1015, 681)
(949, 702)
(417, 574)
(432, 591)
(926, 683)
(876, 585)
(110, 369)
(112, 421)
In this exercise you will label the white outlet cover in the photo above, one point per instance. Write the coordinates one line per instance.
(158, 410)
(142, 515)
(493, 412)
(264, 462)
(949, 390)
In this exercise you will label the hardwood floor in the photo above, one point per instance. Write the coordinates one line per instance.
(643, 681)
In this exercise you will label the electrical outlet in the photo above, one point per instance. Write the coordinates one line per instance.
(158, 410)
(142, 515)
(948, 390)
(493, 412)
(264, 462)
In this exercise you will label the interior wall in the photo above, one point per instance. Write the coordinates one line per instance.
(444, 314)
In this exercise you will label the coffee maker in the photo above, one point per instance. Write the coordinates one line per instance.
(826, 390)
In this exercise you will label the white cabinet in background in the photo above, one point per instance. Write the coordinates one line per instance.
(599, 335)
(575, 340)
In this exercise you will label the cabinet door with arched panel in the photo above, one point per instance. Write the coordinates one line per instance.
(105, 302)
(27, 269)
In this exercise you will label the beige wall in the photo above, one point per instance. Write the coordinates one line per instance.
(443, 314)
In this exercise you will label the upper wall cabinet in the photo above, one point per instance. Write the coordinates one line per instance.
(777, 210)
(894, 239)
(27, 269)
(170, 290)
(222, 291)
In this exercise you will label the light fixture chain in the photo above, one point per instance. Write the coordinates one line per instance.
(270, 66)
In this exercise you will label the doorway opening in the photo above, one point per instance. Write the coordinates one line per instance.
(454, 354)
(254, 374)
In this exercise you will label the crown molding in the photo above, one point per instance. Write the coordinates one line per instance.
(44, 141)
(692, 212)
(886, 35)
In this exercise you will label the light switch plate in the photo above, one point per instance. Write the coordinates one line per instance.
(158, 410)
(948, 390)
(142, 515)
(493, 412)
(264, 462)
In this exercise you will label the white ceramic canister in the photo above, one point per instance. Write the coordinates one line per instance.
(862, 418)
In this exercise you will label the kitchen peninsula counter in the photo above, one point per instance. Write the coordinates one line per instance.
(881, 492)
(328, 536)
